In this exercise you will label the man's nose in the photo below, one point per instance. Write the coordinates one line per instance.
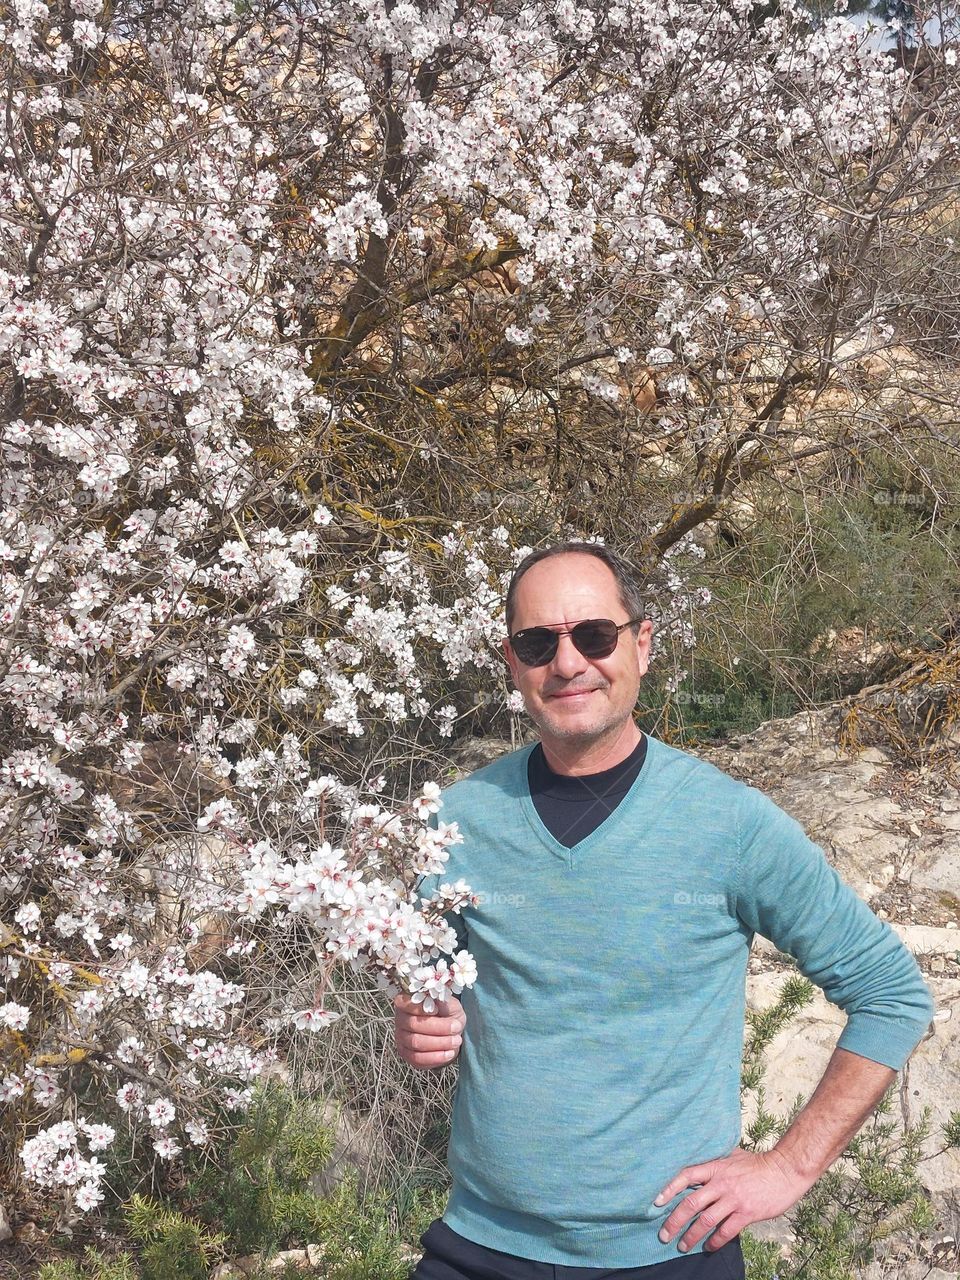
(569, 661)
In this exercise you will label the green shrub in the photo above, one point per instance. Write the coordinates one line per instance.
(761, 1257)
(841, 1219)
(173, 1246)
(94, 1266)
(258, 1194)
(359, 1240)
(881, 555)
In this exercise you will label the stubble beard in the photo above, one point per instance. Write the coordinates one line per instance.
(573, 736)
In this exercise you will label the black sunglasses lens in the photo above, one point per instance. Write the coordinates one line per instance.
(595, 639)
(535, 647)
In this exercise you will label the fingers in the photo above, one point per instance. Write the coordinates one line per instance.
(429, 1032)
(447, 1019)
(700, 1214)
(429, 1024)
(731, 1226)
(427, 1051)
(719, 1225)
(426, 1040)
(680, 1217)
(688, 1176)
(701, 1206)
(730, 1194)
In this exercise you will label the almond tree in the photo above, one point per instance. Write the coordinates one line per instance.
(312, 317)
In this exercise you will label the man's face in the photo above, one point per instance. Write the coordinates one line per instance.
(574, 700)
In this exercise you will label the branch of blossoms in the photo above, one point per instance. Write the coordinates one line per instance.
(165, 1048)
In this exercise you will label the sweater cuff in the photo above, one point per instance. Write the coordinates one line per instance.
(887, 1040)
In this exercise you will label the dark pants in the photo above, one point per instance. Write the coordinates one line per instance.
(448, 1256)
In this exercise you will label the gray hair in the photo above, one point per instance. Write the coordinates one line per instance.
(628, 584)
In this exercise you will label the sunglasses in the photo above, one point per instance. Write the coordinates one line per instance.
(594, 638)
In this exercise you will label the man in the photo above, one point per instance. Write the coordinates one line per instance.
(621, 882)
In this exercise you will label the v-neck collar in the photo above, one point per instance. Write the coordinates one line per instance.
(571, 854)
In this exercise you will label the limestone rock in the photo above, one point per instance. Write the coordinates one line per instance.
(355, 1147)
(892, 833)
(254, 1265)
(478, 752)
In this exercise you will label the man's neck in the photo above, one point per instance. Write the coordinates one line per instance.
(575, 759)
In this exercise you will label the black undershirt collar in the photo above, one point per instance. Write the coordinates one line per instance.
(571, 808)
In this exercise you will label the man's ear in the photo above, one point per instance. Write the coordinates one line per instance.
(508, 658)
(644, 639)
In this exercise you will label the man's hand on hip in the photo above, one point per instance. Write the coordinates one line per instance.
(743, 1187)
(428, 1039)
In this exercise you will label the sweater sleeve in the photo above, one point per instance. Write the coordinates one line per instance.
(788, 892)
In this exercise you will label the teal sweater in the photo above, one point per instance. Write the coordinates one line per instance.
(604, 1033)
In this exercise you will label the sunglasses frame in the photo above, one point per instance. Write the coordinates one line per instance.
(571, 632)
